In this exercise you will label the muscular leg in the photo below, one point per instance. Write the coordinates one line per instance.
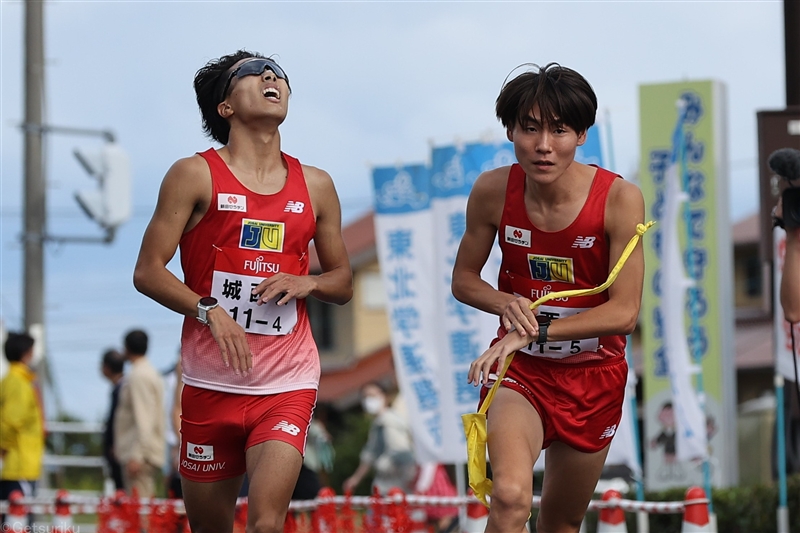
(515, 437)
(211, 507)
(272, 468)
(570, 478)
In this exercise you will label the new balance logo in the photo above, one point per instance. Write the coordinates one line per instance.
(294, 207)
(285, 426)
(609, 432)
(583, 242)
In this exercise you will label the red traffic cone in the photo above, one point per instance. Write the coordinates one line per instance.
(612, 519)
(397, 511)
(62, 518)
(477, 516)
(17, 515)
(324, 516)
(695, 515)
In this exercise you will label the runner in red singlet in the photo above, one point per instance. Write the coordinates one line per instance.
(561, 225)
(243, 216)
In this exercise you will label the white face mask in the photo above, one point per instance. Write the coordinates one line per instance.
(372, 404)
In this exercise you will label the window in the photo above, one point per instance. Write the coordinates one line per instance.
(320, 314)
(752, 276)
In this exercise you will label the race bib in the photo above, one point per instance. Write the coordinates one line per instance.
(236, 274)
(554, 350)
(562, 349)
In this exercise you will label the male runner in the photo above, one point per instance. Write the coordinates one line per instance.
(561, 225)
(243, 216)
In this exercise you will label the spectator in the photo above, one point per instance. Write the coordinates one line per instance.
(112, 366)
(318, 458)
(139, 423)
(21, 420)
(388, 449)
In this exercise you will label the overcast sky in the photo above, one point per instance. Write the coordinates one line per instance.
(375, 83)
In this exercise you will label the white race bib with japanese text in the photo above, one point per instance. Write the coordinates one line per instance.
(232, 286)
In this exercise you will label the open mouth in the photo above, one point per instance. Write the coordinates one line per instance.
(272, 92)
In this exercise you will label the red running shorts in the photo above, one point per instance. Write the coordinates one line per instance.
(580, 404)
(218, 427)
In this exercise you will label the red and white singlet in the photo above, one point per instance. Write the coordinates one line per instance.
(244, 238)
(536, 263)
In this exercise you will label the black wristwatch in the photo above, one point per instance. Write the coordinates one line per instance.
(205, 305)
(544, 323)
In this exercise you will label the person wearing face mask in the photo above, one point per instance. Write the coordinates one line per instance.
(388, 450)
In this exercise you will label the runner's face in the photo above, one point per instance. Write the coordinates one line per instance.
(259, 93)
(544, 150)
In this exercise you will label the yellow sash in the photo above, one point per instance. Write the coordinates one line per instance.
(475, 423)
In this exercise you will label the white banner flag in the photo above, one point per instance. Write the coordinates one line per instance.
(405, 248)
(690, 422)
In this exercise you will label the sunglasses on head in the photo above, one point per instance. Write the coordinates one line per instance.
(252, 67)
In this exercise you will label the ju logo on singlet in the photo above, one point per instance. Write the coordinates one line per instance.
(262, 235)
(550, 268)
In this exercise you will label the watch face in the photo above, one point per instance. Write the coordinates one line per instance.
(208, 301)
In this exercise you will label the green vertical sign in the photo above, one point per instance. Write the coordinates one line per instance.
(683, 124)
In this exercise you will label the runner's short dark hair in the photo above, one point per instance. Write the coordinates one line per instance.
(563, 96)
(205, 85)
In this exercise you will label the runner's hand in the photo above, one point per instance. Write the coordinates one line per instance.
(480, 368)
(232, 341)
(519, 316)
(284, 287)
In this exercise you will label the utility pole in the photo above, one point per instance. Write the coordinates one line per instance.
(791, 35)
(35, 199)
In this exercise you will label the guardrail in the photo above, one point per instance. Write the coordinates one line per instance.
(59, 459)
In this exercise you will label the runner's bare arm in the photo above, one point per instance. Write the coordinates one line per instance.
(182, 201)
(617, 316)
(484, 211)
(790, 281)
(335, 284)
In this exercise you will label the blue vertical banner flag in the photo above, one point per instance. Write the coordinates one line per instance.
(405, 248)
(420, 217)
(464, 332)
(591, 152)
